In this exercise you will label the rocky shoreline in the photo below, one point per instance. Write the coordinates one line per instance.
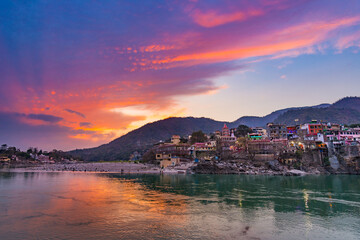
(248, 169)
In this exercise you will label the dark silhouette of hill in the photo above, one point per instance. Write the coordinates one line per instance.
(345, 111)
(348, 102)
(252, 121)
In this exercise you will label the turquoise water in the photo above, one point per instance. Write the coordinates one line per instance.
(114, 206)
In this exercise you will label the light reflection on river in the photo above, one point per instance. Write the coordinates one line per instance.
(114, 206)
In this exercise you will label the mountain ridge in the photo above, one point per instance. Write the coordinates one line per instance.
(144, 137)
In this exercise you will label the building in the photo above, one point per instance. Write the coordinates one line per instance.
(4, 159)
(227, 136)
(292, 132)
(260, 130)
(175, 139)
(312, 128)
(169, 161)
(255, 136)
(277, 131)
(170, 151)
(344, 135)
(203, 150)
(266, 149)
(43, 158)
(225, 131)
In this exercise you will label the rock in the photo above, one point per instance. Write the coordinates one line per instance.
(274, 165)
(295, 172)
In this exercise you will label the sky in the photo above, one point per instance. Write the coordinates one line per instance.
(77, 74)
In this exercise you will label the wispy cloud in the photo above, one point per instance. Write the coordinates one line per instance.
(75, 112)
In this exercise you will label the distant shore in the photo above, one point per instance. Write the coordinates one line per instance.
(109, 167)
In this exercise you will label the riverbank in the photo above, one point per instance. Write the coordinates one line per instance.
(240, 167)
(110, 167)
(141, 168)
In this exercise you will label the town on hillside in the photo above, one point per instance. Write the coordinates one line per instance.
(12, 156)
(312, 147)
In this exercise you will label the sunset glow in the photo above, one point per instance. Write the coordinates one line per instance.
(78, 75)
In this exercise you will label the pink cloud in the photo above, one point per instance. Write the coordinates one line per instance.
(348, 41)
(290, 41)
(213, 18)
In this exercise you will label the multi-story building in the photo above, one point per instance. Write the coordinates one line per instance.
(312, 128)
(344, 135)
(277, 131)
(260, 130)
(227, 136)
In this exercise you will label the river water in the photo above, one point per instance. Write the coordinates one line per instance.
(114, 206)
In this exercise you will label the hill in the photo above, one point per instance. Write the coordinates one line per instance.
(262, 121)
(333, 115)
(144, 137)
(343, 111)
(348, 102)
(346, 111)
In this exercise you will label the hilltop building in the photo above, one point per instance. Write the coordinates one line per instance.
(175, 139)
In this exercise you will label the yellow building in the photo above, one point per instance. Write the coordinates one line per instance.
(173, 161)
(163, 156)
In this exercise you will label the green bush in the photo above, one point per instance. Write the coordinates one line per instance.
(326, 161)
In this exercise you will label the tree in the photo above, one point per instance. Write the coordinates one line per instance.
(198, 136)
(149, 156)
(4, 146)
(242, 131)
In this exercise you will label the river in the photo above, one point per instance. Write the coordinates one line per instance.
(113, 206)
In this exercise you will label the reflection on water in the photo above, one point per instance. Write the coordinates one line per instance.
(114, 206)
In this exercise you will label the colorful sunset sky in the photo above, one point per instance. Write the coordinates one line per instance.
(77, 74)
